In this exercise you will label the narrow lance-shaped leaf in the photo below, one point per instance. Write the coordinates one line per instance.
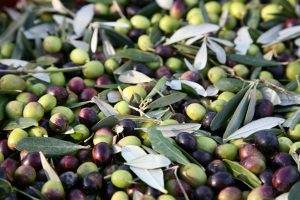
(94, 40)
(269, 35)
(271, 95)
(108, 48)
(106, 108)
(20, 123)
(292, 121)
(157, 88)
(5, 188)
(82, 18)
(178, 85)
(137, 55)
(59, 7)
(173, 130)
(218, 50)
(243, 41)
(150, 161)
(167, 100)
(50, 173)
(163, 146)
(201, 57)
(134, 77)
(288, 98)
(254, 126)
(253, 61)
(251, 106)
(165, 4)
(238, 116)
(294, 191)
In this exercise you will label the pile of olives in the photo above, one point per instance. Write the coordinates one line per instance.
(63, 106)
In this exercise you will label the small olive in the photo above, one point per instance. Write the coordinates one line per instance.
(284, 144)
(12, 82)
(166, 197)
(64, 110)
(26, 97)
(268, 12)
(168, 24)
(119, 195)
(86, 168)
(144, 43)
(123, 30)
(93, 69)
(52, 44)
(121, 179)
(206, 144)
(193, 175)
(293, 69)
(213, 7)
(238, 9)
(195, 111)
(56, 78)
(130, 140)
(217, 105)
(226, 151)
(37, 131)
(294, 133)
(241, 70)
(122, 107)
(15, 136)
(130, 90)
(14, 109)
(216, 73)
(79, 56)
(7, 50)
(58, 123)
(103, 135)
(140, 22)
(25, 175)
(48, 102)
(81, 132)
(111, 65)
(53, 190)
(34, 110)
(174, 64)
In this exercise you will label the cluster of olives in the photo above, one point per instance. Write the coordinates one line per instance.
(63, 108)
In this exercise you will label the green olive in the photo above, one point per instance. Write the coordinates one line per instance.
(168, 122)
(12, 82)
(57, 78)
(193, 174)
(238, 9)
(238, 143)
(93, 69)
(294, 147)
(120, 195)
(206, 144)
(292, 70)
(294, 133)
(265, 75)
(15, 136)
(7, 50)
(79, 56)
(81, 132)
(128, 92)
(89, 82)
(52, 44)
(48, 102)
(195, 111)
(1, 158)
(130, 140)
(86, 168)
(122, 107)
(64, 110)
(166, 197)
(216, 73)
(253, 50)
(174, 64)
(111, 65)
(226, 96)
(123, 30)
(168, 24)
(38, 89)
(37, 131)
(213, 7)
(101, 8)
(155, 18)
(34, 110)
(267, 12)
(121, 179)
(284, 144)
(227, 151)
(140, 22)
(217, 105)
(241, 70)
(144, 43)
(14, 109)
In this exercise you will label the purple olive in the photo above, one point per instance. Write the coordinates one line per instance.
(261, 192)
(203, 193)
(179, 117)
(132, 10)
(10, 165)
(103, 80)
(134, 34)
(254, 164)
(207, 119)
(174, 189)
(88, 116)
(32, 159)
(140, 67)
(68, 179)
(127, 126)
(187, 141)
(266, 142)
(92, 182)
(76, 85)
(264, 108)
(163, 71)
(284, 178)
(266, 177)
(230, 193)
(76, 194)
(4, 148)
(216, 166)
(249, 150)
(203, 157)
(282, 159)
(164, 51)
(67, 163)
(87, 94)
(220, 180)
(102, 153)
(190, 76)
(60, 93)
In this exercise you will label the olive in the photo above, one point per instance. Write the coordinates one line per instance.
(65, 111)
(67, 163)
(76, 194)
(102, 153)
(163, 71)
(53, 190)
(132, 10)
(14, 109)
(220, 180)
(187, 141)
(284, 178)
(143, 68)
(282, 159)
(119, 195)
(254, 164)
(24, 175)
(249, 150)
(34, 110)
(58, 123)
(10, 165)
(294, 133)
(268, 12)
(52, 44)
(103, 80)
(266, 177)
(180, 118)
(216, 73)
(261, 192)
(144, 43)
(206, 143)
(110, 65)
(165, 197)
(88, 116)
(7, 50)
(190, 76)
(121, 179)
(217, 105)
(79, 56)
(92, 182)
(37, 186)
(266, 142)
(203, 192)
(134, 34)
(86, 168)
(103, 135)
(12, 82)
(203, 157)
(152, 192)
(130, 140)
(72, 73)
(207, 119)
(48, 102)
(93, 69)
(42, 175)
(140, 22)
(1, 158)
(127, 126)
(230, 193)
(122, 107)
(284, 144)
(60, 93)
(237, 9)
(38, 89)
(226, 96)
(195, 111)
(3, 174)
(76, 85)
(226, 151)
(12, 196)
(128, 92)
(87, 94)
(193, 175)
(68, 179)
(32, 159)
(164, 51)
(177, 9)
(81, 132)
(15, 136)
(168, 24)
(173, 187)
(123, 30)
(4, 149)
(56, 78)
(26, 97)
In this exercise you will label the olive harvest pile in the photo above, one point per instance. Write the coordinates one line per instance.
(150, 100)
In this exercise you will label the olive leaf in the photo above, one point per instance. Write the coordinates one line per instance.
(174, 130)
(287, 97)
(46, 60)
(253, 61)
(20, 123)
(229, 84)
(165, 4)
(106, 108)
(163, 146)
(203, 11)
(5, 188)
(242, 174)
(167, 100)
(134, 77)
(3, 101)
(156, 34)
(157, 88)
(292, 121)
(157, 114)
(137, 55)
(243, 41)
(269, 35)
(49, 146)
(119, 39)
(227, 110)
(50, 172)
(251, 107)
(294, 191)
(152, 177)
(94, 40)
(254, 126)
(108, 49)
(82, 18)
(150, 161)
(271, 95)
(78, 104)
(106, 122)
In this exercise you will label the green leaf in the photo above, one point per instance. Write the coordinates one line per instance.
(167, 100)
(3, 101)
(137, 55)
(294, 192)
(156, 34)
(149, 10)
(292, 121)
(253, 18)
(106, 108)
(253, 61)
(46, 60)
(204, 12)
(163, 146)
(229, 84)
(157, 88)
(288, 9)
(10, 92)
(77, 104)
(106, 122)
(243, 174)
(238, 116)
(20, 123)
(48, 145)
(5, 188)
(119, 39)
(251, 107)
(227, 110)
(271, 23)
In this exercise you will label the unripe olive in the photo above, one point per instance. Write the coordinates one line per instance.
(15, 136)
(130, 140)
(25, 175)
(7, 50)
(144, 43)
(174, 64)
(241, 70)
(79, 56)
(226, 96)
(122, 107)
(37, 131)
(34, 110)
(213, 7)
(14, 109)
(206, 144)
(121, 179)
(111, 65)
(120, 195)
(140, 22)
(81, 132)
(253, 50)
(168, 24)
(52, 44)
(103, 135)
(216, 73)
(26, 97)
(166, 197)
(227, 151)
(64, 110)
(155, 18)
(101, 9)
(292, 69)
(195, 111)
(1, 158)
(284, 144)
(93, 69)
(130, 90)
(56, 78)
(267, 12)
(38, 89)
(12, 82)
(48, 102)
(193, 175)
(123, 30)
(53, 190)
(86, 168)
(265, 75)
(168, 122)
(238, 9)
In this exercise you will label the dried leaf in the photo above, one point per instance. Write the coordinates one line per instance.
(254, 126)
(165, 4)
(82, 18)
(50, 172)
(243, 41)
(94, 40)
(201, 57)
(218, 50)
(270, 35)
(134, 77)
(106, 108)
(150, 161)
(192, 31)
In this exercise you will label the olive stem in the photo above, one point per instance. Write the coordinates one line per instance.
(27, 71)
